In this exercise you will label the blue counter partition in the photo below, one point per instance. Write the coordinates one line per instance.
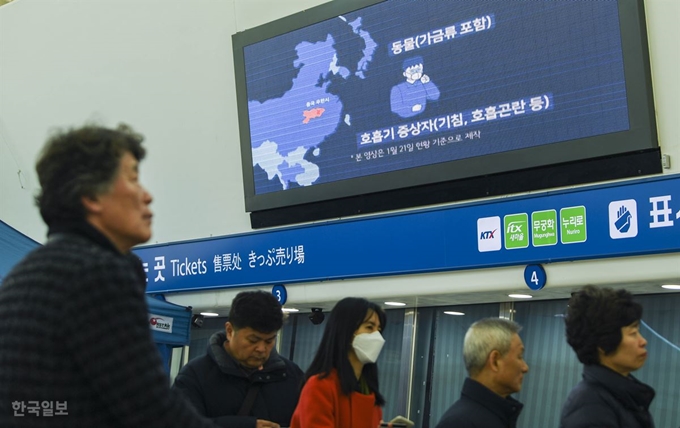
(170, 326)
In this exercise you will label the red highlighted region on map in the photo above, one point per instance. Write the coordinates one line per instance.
(312, 114)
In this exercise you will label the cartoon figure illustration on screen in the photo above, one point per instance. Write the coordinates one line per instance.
(409, 98)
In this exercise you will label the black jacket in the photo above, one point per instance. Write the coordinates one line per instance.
(605, 399)
(217, 386)
(75, 331)
(479, 407)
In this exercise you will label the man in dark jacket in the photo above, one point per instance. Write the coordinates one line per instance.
(75, 344)
(494, 358)
(603, 328)
(242, 382)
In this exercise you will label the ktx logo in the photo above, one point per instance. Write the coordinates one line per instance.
(488, 234)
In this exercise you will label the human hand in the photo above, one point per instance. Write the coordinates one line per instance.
(416, 107)
(425, 78)
(261, 423)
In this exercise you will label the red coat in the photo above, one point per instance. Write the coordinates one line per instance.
(323, 405)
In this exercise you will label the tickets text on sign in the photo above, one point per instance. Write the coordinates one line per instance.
(227, 262)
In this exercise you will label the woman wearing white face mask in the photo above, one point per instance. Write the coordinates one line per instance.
(341, 389)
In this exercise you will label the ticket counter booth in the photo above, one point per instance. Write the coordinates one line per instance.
(170, 326)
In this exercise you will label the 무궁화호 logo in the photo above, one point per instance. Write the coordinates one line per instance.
(187, 268)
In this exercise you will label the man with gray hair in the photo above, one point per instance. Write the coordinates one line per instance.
(494, 358)
(75, 345)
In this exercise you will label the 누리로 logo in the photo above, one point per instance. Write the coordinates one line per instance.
(489, 234)
(623, 219)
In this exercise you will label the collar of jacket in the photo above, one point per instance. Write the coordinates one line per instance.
(274, 368)
(85, 230)
(508, 409)
(632, 393)
(81, 228)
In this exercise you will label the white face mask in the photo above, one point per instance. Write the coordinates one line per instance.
(367, 346)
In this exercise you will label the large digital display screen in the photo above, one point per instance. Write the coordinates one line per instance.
(410, 92)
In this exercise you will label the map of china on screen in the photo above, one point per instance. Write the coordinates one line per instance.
(404, 84)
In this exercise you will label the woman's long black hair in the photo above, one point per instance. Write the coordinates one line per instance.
(345, 318)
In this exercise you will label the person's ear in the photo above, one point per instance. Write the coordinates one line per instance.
(91, 204)
(494, 361)
(229, 330)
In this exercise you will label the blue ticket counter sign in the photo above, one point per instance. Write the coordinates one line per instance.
(615, 220)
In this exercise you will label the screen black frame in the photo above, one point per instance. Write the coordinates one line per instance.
(630, 153)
